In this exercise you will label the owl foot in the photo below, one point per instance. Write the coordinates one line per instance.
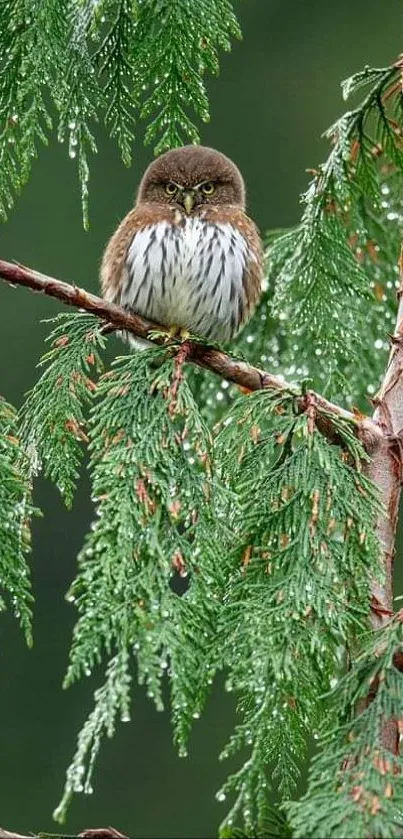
(177, 332)
(184, 335)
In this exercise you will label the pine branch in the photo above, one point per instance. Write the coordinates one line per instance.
(218, 362)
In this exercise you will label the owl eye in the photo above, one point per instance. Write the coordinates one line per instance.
(170, 188)
(207, 188)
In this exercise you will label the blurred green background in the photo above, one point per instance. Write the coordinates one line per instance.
(277, 91)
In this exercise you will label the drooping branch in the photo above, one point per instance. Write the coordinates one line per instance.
(218, 362)
(381, 435)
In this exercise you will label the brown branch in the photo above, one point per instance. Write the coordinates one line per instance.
(217, 361)
(385, 469)
(386, 466)
(91, 833)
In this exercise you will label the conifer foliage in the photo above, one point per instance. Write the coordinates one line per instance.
(70, 63)
(233, 534)
(16, 513)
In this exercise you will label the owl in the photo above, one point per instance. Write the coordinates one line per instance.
(187, 256)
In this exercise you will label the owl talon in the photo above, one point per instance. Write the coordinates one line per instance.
(171, 333)
(177, 332)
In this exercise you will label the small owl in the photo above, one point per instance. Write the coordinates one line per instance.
(187, 256)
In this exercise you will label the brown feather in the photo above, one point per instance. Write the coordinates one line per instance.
(113, 268)
(189, 166)
(248, 228)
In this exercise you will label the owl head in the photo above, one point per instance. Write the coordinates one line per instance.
(191, 177)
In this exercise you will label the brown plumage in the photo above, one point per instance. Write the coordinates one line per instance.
(187, 256)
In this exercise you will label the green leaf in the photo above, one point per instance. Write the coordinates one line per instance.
(16, 511)
(159, 527)
(298, 585)
(53, 416)
(354, 782)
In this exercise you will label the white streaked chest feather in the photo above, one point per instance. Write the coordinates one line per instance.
(190, 275)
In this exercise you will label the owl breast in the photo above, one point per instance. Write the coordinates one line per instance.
(192, 275)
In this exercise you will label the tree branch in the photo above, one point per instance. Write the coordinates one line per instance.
(382, 435)
(386, 466)
(385, 469)
(91, 833)
(215, 360)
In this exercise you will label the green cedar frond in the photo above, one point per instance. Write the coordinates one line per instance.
(112, 701)
(78, 97)
(115, 58)
(25, 26)
(329, 274)
(160, 515)
(16, 511)
(268, 341)
(369, 75)
(53, 415)
(355, 785)
(321, 282)
(375, 249)
(264, 526)
(117, 63)
(346, 358)
(299, 575)
(178, 42)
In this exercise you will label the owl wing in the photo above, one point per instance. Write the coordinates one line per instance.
(114, 269)
(253, 271)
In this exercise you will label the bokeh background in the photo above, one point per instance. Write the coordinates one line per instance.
(277, 92)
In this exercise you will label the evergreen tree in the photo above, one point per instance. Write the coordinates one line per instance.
(278, 506)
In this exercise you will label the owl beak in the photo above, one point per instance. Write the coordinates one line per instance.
(188, 201)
